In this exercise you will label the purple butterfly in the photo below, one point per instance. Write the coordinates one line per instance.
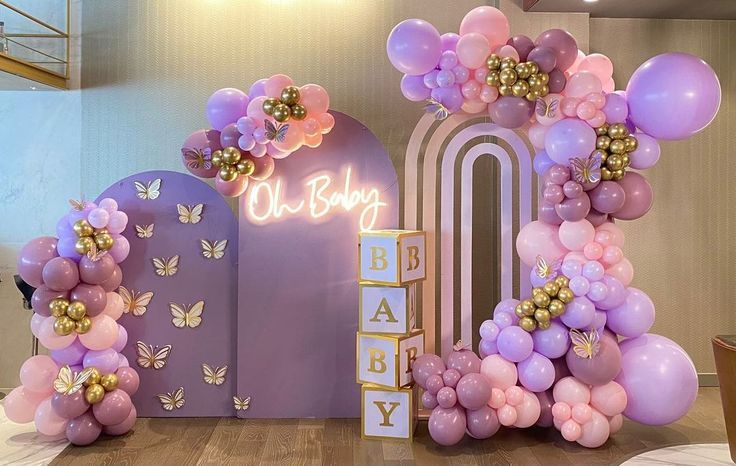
(436, 108)
(587, 170)
(197, 158)
(275, 132)
(546, 110)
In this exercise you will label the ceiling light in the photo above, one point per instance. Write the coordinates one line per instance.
(590, 1)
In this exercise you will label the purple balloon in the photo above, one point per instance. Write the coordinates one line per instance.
(473, 391)
(482, 423)
(573, 209)
(42, 297)
(515, 344)
(547, 213)
(634, 317)
(125, 426)
(546, 400)
(97, 271)
(445, 78)
(506, 306)
(464, 361)
(601, 368)
(72, 355)
(67, 247)
(69, 406)
(33, 258)
(544, 57)
(122, 339)
(449, 41)
(113, 409)
(93, 297)
(451, 377)
(659, 378)
(413, 88)
(504, 320)
(489, 330)
(414, 46)
(557, 81)
(616, 295)
(596, 218)
(448, 60)
(106, 361)
(446, 397)
(607, 197)
(523, 45)
(447, 425)
(569, 138)
(257, 89)
(572, 189)
(616, 108)
(225, 106)
(84, 429)
(564, 45)
(429, 401)
(60, 274)
(426, 365)
(673, 96)
(647, 152)
(450, 97)
(128, 380)
(542, 162)
(229, 135)
(487, 347)
(511, 112)
(638, 197)
(536, 373)
(579, 313)
(552, 342)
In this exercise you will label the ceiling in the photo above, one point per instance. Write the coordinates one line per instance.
(665, 9)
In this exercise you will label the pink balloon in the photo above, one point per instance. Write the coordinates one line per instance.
(575, 235)
(98, 217)
(598, 64)
(561, 411)
(264, 168)
(255, 110)
(583, 83)
(92, 296)
(610, 399)
(615, 423)
(60, 274)
(47, 421)
(527, 413)
(471, 89)
(123, 427)
(293, 140)
(33, 258)
(571, 430)
(552, 115)
(507, 415)
(118, 222)
(488, 94)
(597, 120)
(113, 283)
(36, 322)
(195, 143)
(20, 404)
(507, 51)
(473, 49)
(488, 21)
(616, 234)
(276, 83)
(38, 373)
(536, 134)
(128, 380)
(115, 306)
(578, 59)
(571, 391)
(120, 248)
(315, 99)
(538, 238)
(596, 432)
(50, 339)
(623, 271)
(326, 122)
(232, 188)
(609, 85)
(501, 374)
(474, 106)
(581, 413)
(585, 110)
(102, 334)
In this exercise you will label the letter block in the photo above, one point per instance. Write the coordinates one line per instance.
(387, 309)
(388, 414)
(392, 257)
(385, 360)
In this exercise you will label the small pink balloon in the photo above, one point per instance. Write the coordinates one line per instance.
(50, 339)
(506, 415)
(275, 84)
(20, 404)
(36, 321)
(471, 89)
(615, 423)
(47, 421)
(611, 255)
(623, 271)
(508, 51)
(109, 204)
(232, 188)
(585, 110)
(597, 99)
(610, 399)
(581, 413)
(292, 141)
(488, 94)
(102, 333)
(60, 274)
(514, 395)
(38, 373)
(536, 133)
(120, 248)
(311, 126)
(315, 99)
(117, 223)
(264, 168)
(115, 306)
(528, 411)
(609, 85)
(498, 398)
(597, 120)
(571, 391)
(596, 432)
(500, 372)
(598, 64)
(255, 110)
(561, 411)
(326, 122)
(98, 218)
(474, 106)
(569, 106)
(616, 234)
(583, 83)
(571, 430)
(593, 251)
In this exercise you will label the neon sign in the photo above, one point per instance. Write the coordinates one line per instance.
(324, 195)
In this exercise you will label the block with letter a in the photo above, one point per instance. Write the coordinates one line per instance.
(392, 257)
(388, 414)
(386, 360)
(387, 309)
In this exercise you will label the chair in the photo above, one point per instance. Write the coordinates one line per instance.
(724, 350)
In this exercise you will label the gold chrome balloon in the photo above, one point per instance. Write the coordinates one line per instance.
(83, 228)
(528, 307)
(631, 143)
(544, 325)
(551, 288)
(618, 175)
(606, 174)
(281, 113)
(290, 95)
(58, 307)
(83, 325)
(617, 146)
(556, 308)
(298, 112)
(109, 382)
(565, 295)
(618, 131)
(542, 315)
(76, 310)
(493, 79)
(614, 162)
(602, 130)
(543, 78)
(104, 241)
(94, 378)
(63, 326)
(603, 142)
(94, 393)
(528, 323)
(520, 89)
(493, 62)
(269, 105)
(541, 299)
(505, 90)
(561, 281)
(228, 173)
(523, 70)
(507, 76)
(508, 63)
(217, 158)
(245, 167)
(230, 155)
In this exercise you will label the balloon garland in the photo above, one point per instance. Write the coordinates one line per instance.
(84, 387)
(555, 359)
(249, 131)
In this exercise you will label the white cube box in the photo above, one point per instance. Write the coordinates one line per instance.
(385, 360)
(387, 309)
(388, 414)
(392, 257)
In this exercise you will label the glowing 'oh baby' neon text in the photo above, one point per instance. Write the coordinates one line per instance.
(324, 196)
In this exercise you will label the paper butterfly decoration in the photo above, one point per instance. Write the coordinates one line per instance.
(545, 270)
(585, 344)
(135, 302)
(436, 108)
(68, 382)
(148, 191)
(78, 205)
(213, 250)
(241, 404)
(95, 254)
(189, 214)
(587, 170)
(186, 316)
(276, 132)
(197, 158)
(166, 266)
(150, 357)
(172, 401)
(144, 231)
(214, 376)
(546, 110)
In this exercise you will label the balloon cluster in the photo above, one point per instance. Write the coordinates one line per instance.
(91, 239)
(89, 229)
(249, 131)
(75, 312)
(572, 372)
(523, 79)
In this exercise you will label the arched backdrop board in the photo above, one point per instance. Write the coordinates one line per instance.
(298, 292)
(198, 278)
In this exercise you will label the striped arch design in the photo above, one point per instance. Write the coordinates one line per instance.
(442, 145)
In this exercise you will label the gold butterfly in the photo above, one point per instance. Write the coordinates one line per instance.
(135, 302)
(214, 376)
(150, 357)
(171, 401)
(144, 231)
(149, 191)
(213, 250)
(78, 205)
(547, 270)
(585, 344)
(94, 254)
(190, 214)
(186, 316)
(68, 382)
(166, 266)
(241, 404)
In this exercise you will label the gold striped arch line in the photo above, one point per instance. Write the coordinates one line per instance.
(455, 134)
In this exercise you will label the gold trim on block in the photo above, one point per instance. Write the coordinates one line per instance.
(398, 234)
(395, 339)
(407, 309)
(413, 399)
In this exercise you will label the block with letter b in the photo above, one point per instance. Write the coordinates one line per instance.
(392, 257)
(388, 414)
(387, 309)
(386, 360)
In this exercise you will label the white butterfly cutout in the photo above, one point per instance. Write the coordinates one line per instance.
(152, 357)
(144, 231)
(190, 213)
(149, 191)
(213, 376)
(166, 266)
(135, 302)
(214, 249)
(172, 401)
(189, 315)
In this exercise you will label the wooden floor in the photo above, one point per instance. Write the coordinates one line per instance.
(338, 442)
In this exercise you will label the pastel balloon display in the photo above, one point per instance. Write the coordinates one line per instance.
(414, 46)
(447, 425)
(488, 21)
(511, 112)
(538, 238)
(569, 138)
(564, 45)
(634, 317)
(225, 106)
(33, 258)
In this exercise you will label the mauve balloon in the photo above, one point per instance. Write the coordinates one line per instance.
(69, 406)
(482, 423)
(564, 45)
(33, 258)
(574, 209)
(93, 297)
(511, 112)
(607, 197)
(42, 297)
(60, 274)
(84, 429)
(601, 368)
(638, 197)
(544, 57)
(447, 425)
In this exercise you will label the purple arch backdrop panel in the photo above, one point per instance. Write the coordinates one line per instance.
(298, 295)
(213, 281)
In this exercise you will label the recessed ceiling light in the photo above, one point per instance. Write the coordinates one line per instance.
(590, 1)
(33, 88)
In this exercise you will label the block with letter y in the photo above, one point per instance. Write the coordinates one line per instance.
(392, 257)
(388, 414)
(386, 360)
